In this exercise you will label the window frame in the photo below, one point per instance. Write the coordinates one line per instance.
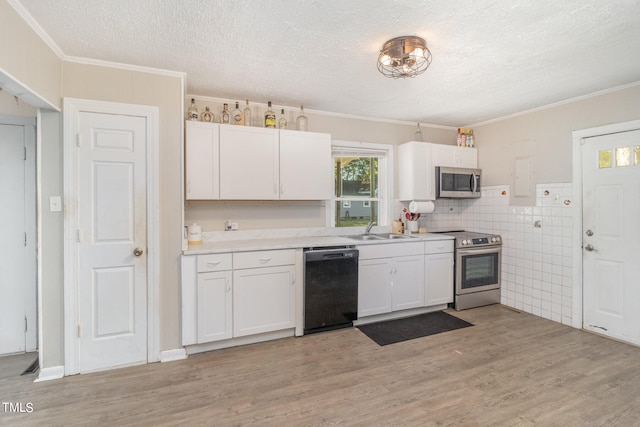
(385, 178)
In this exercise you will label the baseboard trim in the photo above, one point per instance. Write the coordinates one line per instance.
(173, 355)
(48, 374)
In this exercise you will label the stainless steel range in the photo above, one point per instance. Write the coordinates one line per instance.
(478, 258)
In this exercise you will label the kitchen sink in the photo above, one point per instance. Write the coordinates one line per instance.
(395, 236)
(387, 236)
(366, 237)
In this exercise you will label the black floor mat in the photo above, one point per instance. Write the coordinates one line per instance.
(32, 368)
(422, 325)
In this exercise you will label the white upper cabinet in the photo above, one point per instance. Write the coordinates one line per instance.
(306, 170)
(202, 156)
(417, 163)
(248, 163)
(455, 157)
(416, 175)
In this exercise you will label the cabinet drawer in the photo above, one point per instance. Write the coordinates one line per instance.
(264, 258)
(386, 250)
(214, 262)
(438, 246)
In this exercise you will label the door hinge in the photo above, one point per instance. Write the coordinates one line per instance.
(25, 239)
(26, 324)
(79, 331)
(78, 140)
(25, 153)
(79, 237)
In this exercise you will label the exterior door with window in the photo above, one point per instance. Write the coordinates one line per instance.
(611, 235)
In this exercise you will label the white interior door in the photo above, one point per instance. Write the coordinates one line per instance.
(12, 240)
(611, 235)
(112, 277)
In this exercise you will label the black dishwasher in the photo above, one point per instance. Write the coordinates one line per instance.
(330, 288)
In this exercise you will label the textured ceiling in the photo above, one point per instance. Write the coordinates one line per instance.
(490, 58)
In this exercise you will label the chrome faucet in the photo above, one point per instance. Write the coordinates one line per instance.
(369, 227)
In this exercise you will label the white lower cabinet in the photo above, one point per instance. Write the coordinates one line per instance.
(374, 287)
(263, 300)
(214, 306)
(390, 283)
(438, 271)
(407, 283)
(225, 296)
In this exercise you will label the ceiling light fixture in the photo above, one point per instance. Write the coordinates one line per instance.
(405, 56)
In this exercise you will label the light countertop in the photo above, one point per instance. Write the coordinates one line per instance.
(298, 242)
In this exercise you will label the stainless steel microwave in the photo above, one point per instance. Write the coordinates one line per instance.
(457, 183)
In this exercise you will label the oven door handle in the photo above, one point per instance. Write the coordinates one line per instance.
(475, 182)
(479, 251)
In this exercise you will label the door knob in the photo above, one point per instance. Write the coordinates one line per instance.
(589, 248)
(589, 233)
(138, 251)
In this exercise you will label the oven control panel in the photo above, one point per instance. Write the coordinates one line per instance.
(482, 241)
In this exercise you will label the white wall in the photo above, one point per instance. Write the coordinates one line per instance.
(11, 107)
(546, 134)
(28, 67)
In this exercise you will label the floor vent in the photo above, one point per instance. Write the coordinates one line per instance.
(32, 368)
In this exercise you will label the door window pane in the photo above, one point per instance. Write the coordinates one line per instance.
(623, 156)
(636, 155)
(604, 159)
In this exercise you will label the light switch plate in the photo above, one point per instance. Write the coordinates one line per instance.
(55, 204)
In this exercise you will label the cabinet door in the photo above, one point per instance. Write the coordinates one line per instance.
(374, 286)
(407, 282)
(263, 300)
(202, 171)
(416, 175)
(457, 157)
(214, 306)
(438, 270)
(248, 163)
(306, 169)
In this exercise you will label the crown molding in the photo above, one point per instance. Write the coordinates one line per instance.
(557, 104)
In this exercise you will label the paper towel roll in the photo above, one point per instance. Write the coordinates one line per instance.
(421, 207)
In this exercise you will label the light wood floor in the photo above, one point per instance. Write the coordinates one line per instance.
(511, 369)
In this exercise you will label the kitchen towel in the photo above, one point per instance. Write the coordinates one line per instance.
(421, 207)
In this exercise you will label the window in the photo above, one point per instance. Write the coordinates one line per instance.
(361, 183)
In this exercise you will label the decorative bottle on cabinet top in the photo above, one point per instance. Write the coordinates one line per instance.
(247, 115)
(237, 116)
(282, 123)
(417, 136)
(269, 117)
(225, 114)
(302, 123)
(207, 116)
(192, 111)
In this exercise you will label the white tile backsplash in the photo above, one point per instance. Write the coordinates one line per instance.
(536, 261)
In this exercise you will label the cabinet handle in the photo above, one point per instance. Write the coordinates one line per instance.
(293, 278)
(281, 188)
(228, 287)
(275, 188)
(264, 260)
(212, 264)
